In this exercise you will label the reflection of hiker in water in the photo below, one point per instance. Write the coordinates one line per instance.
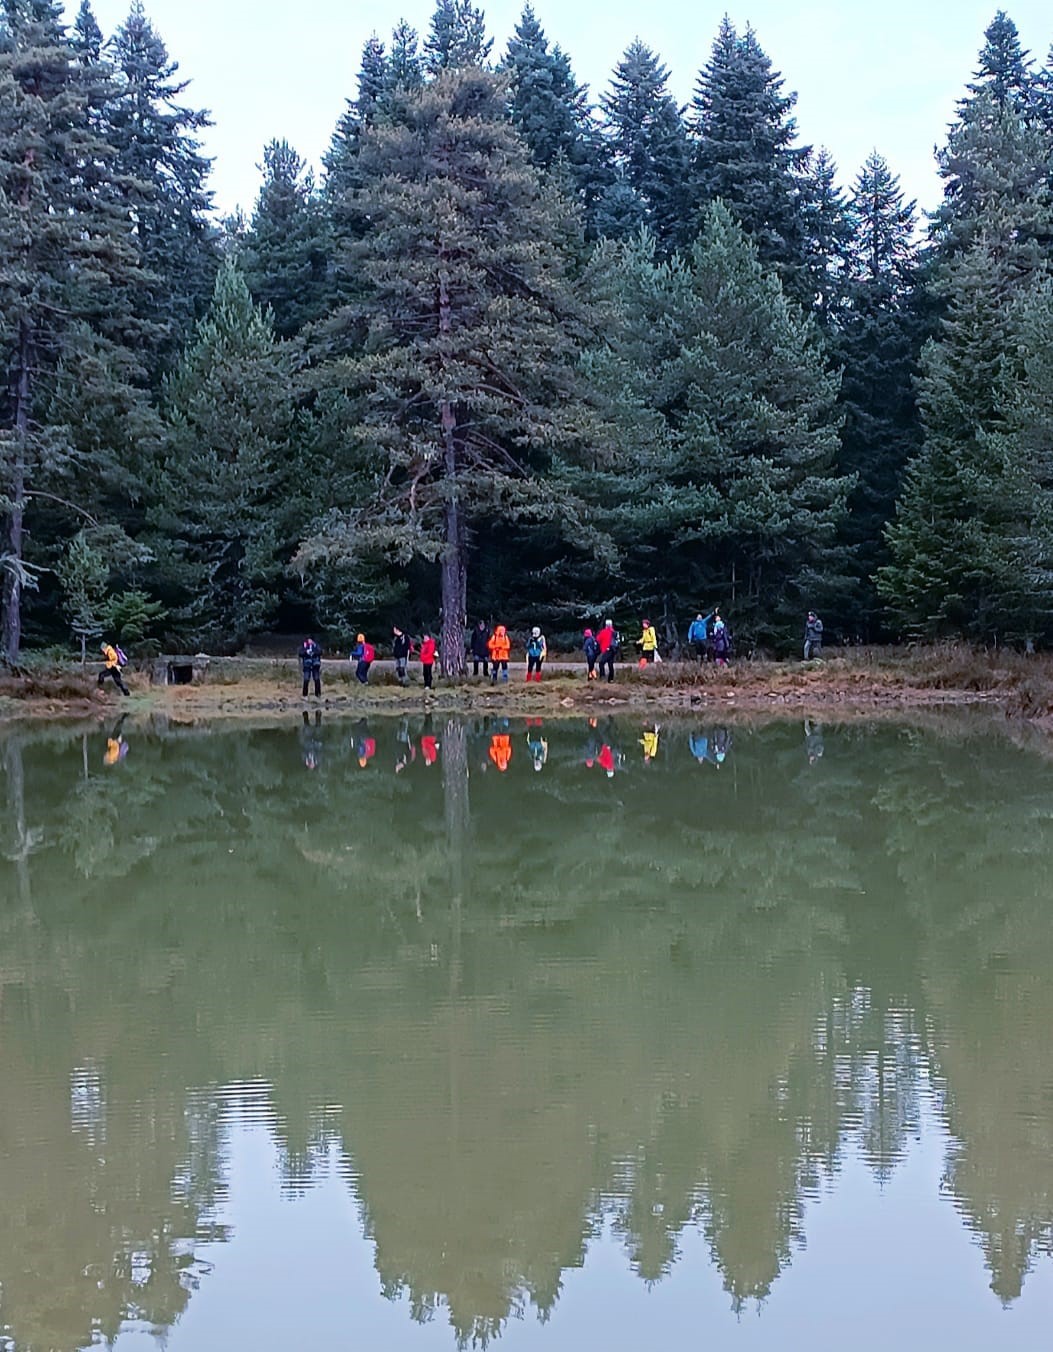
(699, 744)
(649, 742)
(406, 752)
(501, 750)
(116, 746)
(364, 746)
(429, 743)
(536, 744)
(310, 742)
(592, 746)
(813, 741)
(721, 743)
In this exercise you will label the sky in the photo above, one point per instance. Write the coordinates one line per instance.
(868, 75)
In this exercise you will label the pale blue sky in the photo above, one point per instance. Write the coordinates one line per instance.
(883, 74)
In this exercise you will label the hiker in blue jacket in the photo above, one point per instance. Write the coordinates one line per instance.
(698, 634)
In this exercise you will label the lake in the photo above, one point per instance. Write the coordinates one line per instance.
(427, 1034)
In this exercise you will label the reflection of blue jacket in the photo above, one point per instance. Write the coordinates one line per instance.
(699, 744)
(699, 631)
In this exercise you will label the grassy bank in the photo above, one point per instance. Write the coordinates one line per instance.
(859, 682)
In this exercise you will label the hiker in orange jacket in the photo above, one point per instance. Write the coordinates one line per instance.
(500, 646)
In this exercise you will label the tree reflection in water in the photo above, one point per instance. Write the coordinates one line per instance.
(522, 1005)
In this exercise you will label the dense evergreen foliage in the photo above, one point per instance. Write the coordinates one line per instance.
(522, 352)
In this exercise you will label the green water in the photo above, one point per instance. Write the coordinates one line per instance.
(748, 1045)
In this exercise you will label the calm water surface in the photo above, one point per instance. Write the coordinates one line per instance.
(436, 1034)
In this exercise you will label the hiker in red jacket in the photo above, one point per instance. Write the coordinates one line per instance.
(427, 659)
(607, 638)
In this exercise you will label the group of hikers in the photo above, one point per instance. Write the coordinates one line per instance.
(709, 640)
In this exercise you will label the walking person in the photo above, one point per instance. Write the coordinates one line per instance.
(311, 665)
(480, 649)
(698, 635)
(813, 637)
(499, 647)
(362, 654)
(536, 651)
(647, 643)
(608, 642)
(591, 650)
(115, 660)
(401, 651)
(427, 659)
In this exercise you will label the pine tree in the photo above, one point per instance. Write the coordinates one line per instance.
(166, 197)
(226, 497)
(648, 142)
(746, 152)
(877, 341)
(65, 253)
(284, 253)
(461, 395)
(87, 38)
(457, 37)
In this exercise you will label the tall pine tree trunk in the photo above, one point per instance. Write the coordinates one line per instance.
(454, 565)
(11, 627)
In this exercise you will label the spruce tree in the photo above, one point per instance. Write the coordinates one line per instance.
(461, 395)
(877, 341)
(165, 184)
(405, 69)
(827, 229)
(226, 495)
(550, 110)
(970, 544)
(65, 253)
(648, 142)
(283, 254)
(1005, 69)
(746, 152)
(457, 37)
(735, 499)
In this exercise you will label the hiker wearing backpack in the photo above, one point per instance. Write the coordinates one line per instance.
(536, 652)
(721, 641)
(813, 637)
(401, 651)
(698, 634)
(115, 659)
(609, 643)
(480, 649)
(363, 654)
(591, 649)
(311, 665)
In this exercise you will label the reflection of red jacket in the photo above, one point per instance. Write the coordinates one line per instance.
(605, 638)
(430, 748)
(427, 652)
(605, 760)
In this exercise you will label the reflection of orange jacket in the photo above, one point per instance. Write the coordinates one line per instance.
(501, 749)
(500, 644)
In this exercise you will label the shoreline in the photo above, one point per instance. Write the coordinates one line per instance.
(843, 688)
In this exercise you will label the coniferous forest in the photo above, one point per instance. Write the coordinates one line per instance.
(523, 352)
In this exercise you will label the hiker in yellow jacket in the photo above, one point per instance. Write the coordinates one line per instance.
(648, 643)
(112, 658)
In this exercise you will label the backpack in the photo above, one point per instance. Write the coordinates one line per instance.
(368, 652)
(122, 659)
(592, 649)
